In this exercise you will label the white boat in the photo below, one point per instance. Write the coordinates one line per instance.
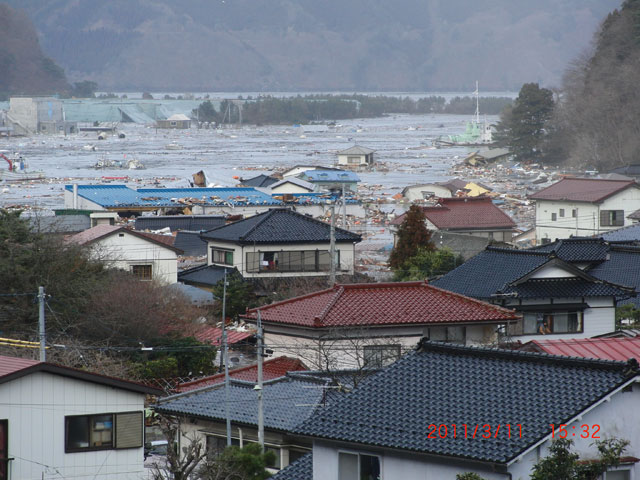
(17, 170)
(173, 146)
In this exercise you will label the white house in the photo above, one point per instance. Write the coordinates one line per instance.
(584, 206)
(356, 156)
(59, 422)
(280, 243)
(444, 410)
(564, 290)
(146, 255)
(291, 185)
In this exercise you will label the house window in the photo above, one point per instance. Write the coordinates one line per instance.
(216, 445)
(574, 213)
(105, 431)
(556, 322)
(224, 257)
(376, 356)
(295, 454)
(353, 160)
(611, 218)
(358, 466)
(4, 449)
(562, 212)
(617, 475)
(554, 217)
(173, 124)
(291, 261)
(448, 334)
(143, 272)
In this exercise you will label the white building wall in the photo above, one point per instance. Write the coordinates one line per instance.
(289, 187)
(123, 250)
(83, 203)
(347, 257)
(35, 406)
(25, 111)
(552, 272)
(417, 192)
(587, 221)
(343, 160)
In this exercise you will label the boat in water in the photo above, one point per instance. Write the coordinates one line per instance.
(17, 170)
(477, 133)
(173, 146)
(131, 164)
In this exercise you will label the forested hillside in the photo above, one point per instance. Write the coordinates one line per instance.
(285, 45)
(24, 69)
(598, 115)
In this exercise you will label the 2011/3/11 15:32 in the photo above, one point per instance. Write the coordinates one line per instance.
(588, 431)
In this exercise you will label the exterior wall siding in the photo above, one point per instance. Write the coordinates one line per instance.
(35, 406)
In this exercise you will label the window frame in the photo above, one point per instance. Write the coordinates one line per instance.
(142, 277)
(114, 432)
(359, 455)
(544, 318)
(378, 351)
(561, 213)
(612, 218)
(225, 252)
(273, 261)
(554, 216)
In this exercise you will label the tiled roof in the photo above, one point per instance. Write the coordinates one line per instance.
(13, 364)
(630, 233)
(465, 385)
(582, 190)
(101, 231)
(205, 274)
(261, 181)
(490, 271)
(213, 335)
(271, 369)
(190, 243)
(619, 349)
(288, 401)
(622, 267)
(563, 288)
(329, 176)
(192, 223)
(301, 469)
(366, 304)
(634, 215)
(356, 150)
(464, 213)
(581, 249)
(278, 225)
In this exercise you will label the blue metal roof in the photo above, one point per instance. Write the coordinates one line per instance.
(330, 176)
(109, 196)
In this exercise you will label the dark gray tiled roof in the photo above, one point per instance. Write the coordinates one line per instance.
(288, 402)
(190, 243)
(577, 249)
(301, 469)
(623, 267)
(490, 271)
(279, 225)
(259, 181)
(630, 233)
(193, 223)
(448, 384)
(563, 288)
(60, 223)
(205, 274)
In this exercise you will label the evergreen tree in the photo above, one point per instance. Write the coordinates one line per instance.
(522, 127)
(412, 236)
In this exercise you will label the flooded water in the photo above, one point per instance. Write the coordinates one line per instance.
(402, 144)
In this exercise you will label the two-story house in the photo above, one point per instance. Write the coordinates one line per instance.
(371, 324)
(280, 243)
(564, 289)
(584, 206)
(356, 157)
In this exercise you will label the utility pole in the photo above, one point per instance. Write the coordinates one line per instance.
(344, 209)
(41, 297)
(225, 349)
(332, 248)
(258, 387)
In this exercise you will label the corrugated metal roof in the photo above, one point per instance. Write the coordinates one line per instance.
(13, 364)
(329, 176)
(619, 349)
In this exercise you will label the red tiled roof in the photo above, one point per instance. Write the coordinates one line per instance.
(620, 349)
(464, 213)
(12, 364)
(274, 368)
(213, 335)
(582, 189)
(368, 304)
(166, 239)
